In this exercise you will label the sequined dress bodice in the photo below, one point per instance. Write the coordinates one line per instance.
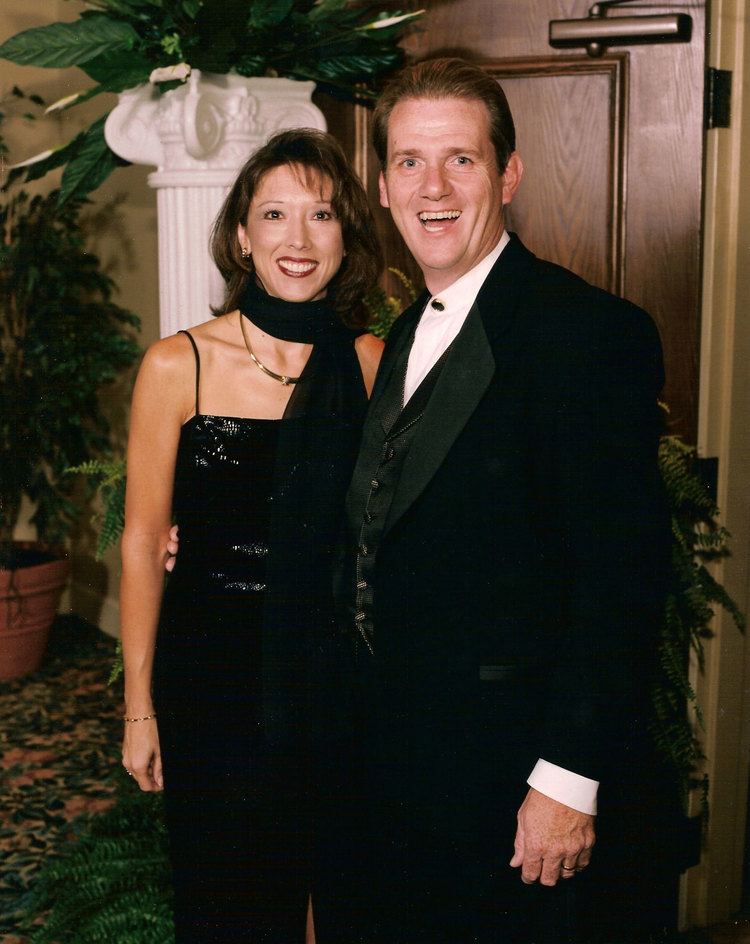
(223, 495)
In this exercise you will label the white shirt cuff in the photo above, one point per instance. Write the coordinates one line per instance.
(563, 785)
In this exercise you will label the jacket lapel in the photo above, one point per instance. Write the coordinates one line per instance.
(467, 373)
(468, 370)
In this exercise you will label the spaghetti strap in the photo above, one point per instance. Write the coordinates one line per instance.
(197, 369)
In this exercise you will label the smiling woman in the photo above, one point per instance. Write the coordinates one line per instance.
(293, 234)
(245, 431)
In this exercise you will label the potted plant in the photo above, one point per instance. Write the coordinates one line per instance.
(61, 339)
(119, 44)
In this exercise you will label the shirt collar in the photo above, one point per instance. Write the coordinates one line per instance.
(461, 294)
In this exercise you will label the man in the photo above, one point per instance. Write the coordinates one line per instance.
(507, 541)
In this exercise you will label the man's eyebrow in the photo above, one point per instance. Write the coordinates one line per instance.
(406, 152)
(448, 152)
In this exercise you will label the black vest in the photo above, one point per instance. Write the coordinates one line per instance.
(374, 485)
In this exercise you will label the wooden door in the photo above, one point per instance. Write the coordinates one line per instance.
(612, 149)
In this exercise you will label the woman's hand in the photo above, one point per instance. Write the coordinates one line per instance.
(141, 756)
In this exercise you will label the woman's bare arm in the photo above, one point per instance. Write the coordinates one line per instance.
(162, 401)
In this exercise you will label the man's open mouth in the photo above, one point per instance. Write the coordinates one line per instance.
(427, 215)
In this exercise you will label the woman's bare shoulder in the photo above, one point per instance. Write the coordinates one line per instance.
(168, 357)
(174, 353)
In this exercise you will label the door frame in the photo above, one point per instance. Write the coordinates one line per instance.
(711, 891)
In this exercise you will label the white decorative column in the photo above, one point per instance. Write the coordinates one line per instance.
(199, 136)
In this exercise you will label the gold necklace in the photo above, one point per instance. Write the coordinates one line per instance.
(282, 378)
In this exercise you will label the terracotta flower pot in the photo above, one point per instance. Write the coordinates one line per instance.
(29, 597)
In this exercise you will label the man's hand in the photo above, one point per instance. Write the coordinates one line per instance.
(173, 546)
(553, 841)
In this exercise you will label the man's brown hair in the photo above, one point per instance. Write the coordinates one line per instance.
(447, 78)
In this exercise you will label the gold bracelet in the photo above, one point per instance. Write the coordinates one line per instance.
(144, 718)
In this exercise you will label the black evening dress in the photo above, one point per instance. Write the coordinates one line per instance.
(244, 675)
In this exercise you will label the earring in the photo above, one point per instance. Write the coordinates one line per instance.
(245, 253)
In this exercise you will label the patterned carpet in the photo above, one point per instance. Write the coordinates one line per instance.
(59, 754)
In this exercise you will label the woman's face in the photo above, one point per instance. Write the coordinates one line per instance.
(293, 234)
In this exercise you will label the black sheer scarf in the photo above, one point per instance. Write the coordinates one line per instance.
(303, 322)
(317, 448)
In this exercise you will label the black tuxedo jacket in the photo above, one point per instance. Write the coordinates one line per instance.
(519, 578)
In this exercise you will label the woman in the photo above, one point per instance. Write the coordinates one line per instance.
(245, 430)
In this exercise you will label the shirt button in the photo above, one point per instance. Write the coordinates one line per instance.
(374, 485)
(389, 454)
(368, 516)
(361, 585)
(359, 617)
(363, 550)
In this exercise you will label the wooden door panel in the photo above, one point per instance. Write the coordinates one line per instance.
(573, 112)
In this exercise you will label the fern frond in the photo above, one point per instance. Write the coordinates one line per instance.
(110, 883)
(697, 540)
(110, 481)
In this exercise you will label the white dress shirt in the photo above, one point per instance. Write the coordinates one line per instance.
(438, 326)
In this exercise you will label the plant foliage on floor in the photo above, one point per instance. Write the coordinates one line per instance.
(111, 882)
(697, 540)
(343, 46)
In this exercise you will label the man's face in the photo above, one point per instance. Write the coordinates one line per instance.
(443, 186)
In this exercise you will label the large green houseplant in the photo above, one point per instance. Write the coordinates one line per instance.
(62, 339)
(343, 46)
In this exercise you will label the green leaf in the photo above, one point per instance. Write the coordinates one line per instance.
(90, 166)
(117, 71)
(356, 66)
(221, 31)
(124, 7)
(326, 8)
(268, 13)
(68, 44)
(37, 170)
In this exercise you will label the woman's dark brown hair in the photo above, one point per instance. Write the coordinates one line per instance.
(447, 78)
(320, 156)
